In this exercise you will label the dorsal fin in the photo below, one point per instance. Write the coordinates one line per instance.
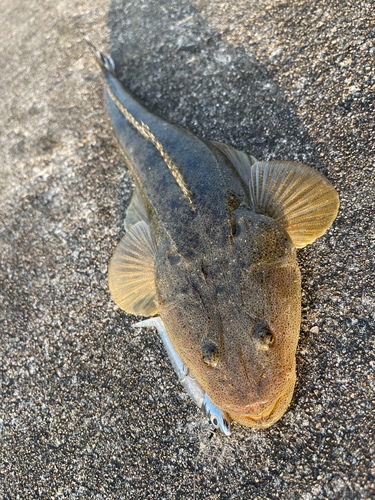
(136, 211)
(131, 271)
(241, 161)
(299, 198)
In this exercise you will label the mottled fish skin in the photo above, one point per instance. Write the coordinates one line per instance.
(227, 282)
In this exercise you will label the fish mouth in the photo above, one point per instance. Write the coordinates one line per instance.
(262, 417)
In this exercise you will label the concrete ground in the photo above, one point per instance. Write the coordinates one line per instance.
(90, 408)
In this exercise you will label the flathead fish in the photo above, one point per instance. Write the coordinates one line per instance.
(210, 247)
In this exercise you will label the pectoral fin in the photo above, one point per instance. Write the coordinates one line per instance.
(299, 198)
(131, 271)
(241, 161)
(136, 211)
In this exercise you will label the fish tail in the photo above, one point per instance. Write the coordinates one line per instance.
(105, 62)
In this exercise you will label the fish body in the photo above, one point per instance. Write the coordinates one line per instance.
(211, 248)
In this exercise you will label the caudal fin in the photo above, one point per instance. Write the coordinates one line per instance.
(105, 62)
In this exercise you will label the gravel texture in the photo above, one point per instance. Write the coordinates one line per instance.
(90, 408)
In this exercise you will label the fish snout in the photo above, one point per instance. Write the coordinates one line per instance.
(260, 404)
(262, 414)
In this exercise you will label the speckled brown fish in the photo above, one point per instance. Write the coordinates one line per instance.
(211, 247)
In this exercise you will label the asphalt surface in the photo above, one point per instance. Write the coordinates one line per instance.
(90, 408)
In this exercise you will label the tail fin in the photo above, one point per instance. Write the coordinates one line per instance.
(105, 62)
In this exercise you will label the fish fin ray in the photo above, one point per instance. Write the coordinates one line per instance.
(241, 161)
(131, 271)
(136, 211)
(299, 198)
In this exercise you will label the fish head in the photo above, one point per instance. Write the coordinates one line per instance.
(234, 319)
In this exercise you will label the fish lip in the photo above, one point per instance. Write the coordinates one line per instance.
(243, 412)
(267, 413)
(276, 411)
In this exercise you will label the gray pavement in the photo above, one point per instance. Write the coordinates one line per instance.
(89, 407)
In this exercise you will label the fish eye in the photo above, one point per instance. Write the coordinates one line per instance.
(210, 354)
(265, 338)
